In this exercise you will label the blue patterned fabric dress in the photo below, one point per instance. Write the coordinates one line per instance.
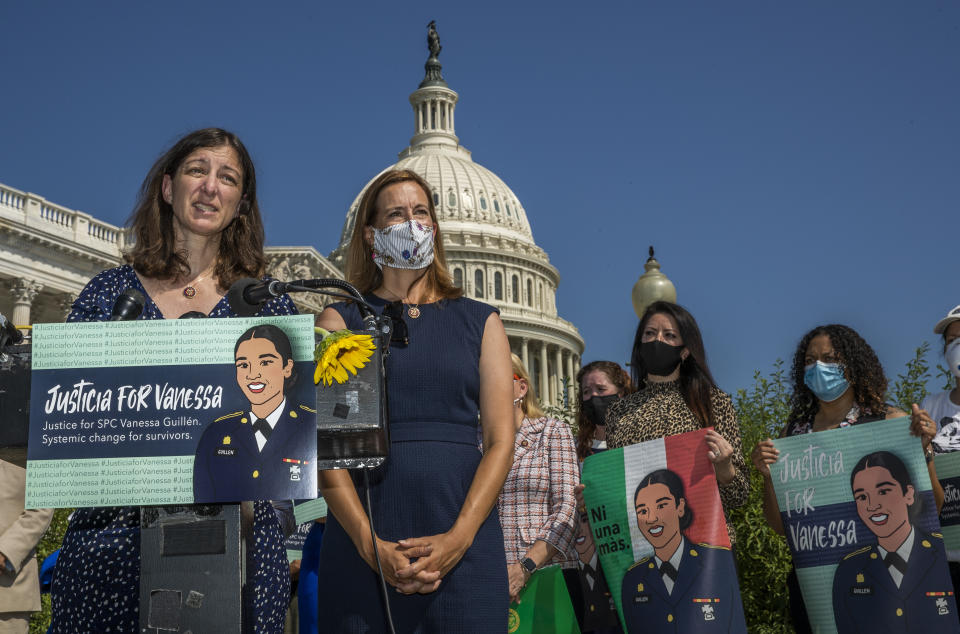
(434, 387)
(96, 587)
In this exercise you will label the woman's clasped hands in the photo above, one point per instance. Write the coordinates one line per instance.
(417, 565)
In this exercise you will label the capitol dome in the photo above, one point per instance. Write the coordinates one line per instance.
(488, 241)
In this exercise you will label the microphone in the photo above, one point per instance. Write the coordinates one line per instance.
(366, 310)
(128, 306)
(9, 335)
(192, 314)
(247, 295)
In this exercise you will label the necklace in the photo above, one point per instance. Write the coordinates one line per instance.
(413, 310)
(190, 291)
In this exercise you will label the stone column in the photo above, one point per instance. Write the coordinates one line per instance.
(572, 388)
(544, 375)
(525, 352)
(23, 292)
(65, 304)
(558, 364)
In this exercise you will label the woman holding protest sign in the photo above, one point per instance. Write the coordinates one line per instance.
(943, 408)
(837, 382)
(438, 537)
(600, 384)
(198, 229)
(676, 394)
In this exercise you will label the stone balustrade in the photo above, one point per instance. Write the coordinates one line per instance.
(34, 214)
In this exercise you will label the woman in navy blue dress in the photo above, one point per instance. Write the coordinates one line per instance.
(438, 533)
(198, 229)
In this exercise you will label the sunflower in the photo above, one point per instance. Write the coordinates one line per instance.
(339, 352)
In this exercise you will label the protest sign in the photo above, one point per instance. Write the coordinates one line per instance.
(172, 412)
(294, 543)
(658, 525)
(305, 514)
(948, 472)
(589, 585)
(544, 606)
(848, 497)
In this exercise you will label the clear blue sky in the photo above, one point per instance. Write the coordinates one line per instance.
(794, 163)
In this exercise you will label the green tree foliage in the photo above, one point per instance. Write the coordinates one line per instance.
(911, 386)
(762, 555)
(566, 410)
(949, 381)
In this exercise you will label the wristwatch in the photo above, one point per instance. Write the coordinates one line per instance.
(529, 565)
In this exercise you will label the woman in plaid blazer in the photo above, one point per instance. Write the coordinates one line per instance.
(537, 505)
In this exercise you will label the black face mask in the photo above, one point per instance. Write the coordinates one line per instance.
(596, 408)
(660, 358)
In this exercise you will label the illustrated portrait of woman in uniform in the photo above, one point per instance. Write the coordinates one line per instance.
(684, 587)
(266, 450)
(901, 583)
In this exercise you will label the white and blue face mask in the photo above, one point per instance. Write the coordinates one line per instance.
(952, 355)
(826, 380)
(406, 245)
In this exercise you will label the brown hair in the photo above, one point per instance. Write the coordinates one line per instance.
(363, 272)
(155, 253)
(530, 403)
(586, 427)
(696, 381)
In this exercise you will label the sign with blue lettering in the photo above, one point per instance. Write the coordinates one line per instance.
(172, 412)
(860, 519)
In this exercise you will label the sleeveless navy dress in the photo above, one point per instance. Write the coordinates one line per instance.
(96, 585)
(433, 386)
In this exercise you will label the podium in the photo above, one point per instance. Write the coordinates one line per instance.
(193, 567)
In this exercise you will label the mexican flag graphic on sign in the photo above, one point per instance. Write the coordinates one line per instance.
(655, 515)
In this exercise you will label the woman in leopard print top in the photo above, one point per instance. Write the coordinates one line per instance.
(677, 394)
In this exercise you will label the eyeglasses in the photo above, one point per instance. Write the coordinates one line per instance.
(400, 337)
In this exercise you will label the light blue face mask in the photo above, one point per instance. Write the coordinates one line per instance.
(826, 380)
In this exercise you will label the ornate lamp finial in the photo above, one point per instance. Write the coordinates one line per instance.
(433, 76)
(652, 286)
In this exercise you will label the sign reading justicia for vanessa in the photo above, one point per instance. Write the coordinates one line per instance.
(172, 412)
(861, 522)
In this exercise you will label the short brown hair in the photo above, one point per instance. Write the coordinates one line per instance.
(154, 253)
(363, 272)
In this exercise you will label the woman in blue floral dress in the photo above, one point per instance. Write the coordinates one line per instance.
(198, 229)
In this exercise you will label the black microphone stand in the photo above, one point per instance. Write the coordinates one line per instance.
(380, 327)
